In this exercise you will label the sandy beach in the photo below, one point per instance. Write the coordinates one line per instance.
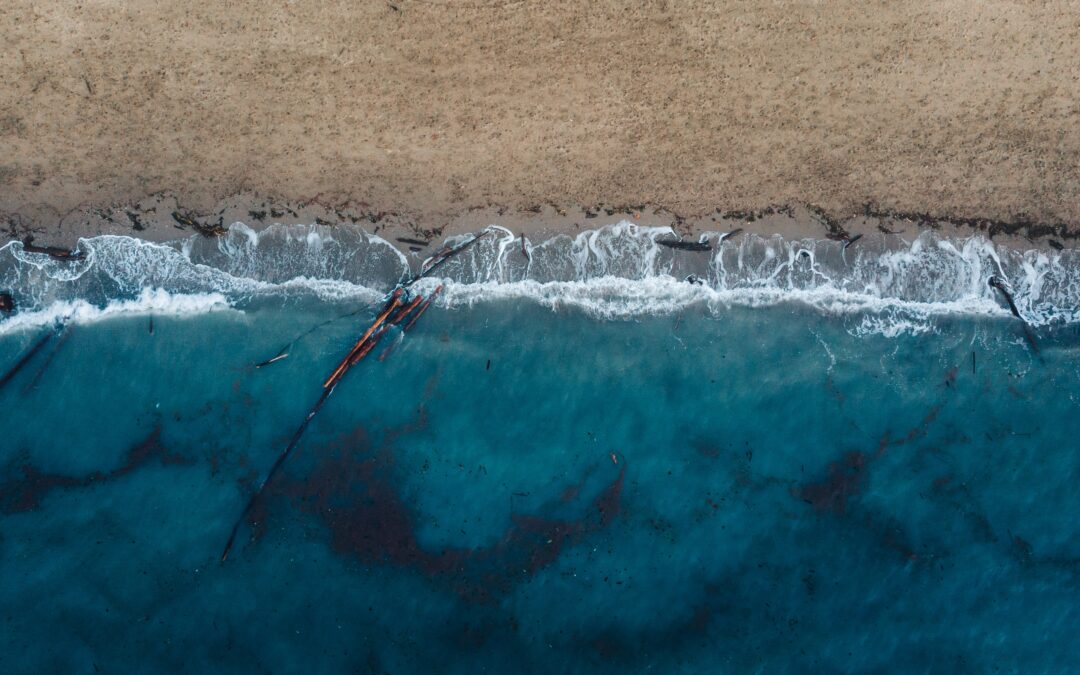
(424, 117)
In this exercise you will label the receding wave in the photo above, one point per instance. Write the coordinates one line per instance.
(885, 286)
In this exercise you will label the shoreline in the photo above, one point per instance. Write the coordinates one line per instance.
(949, 272)
(964, 111)
(163, 217)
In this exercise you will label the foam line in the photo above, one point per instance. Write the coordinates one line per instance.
(156, 301)
(616, 271)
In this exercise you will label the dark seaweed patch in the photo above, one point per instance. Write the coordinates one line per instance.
(352, 491)
(136, 222)
(844, 478)
(26, 490)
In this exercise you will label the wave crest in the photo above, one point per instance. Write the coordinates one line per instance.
(149, 301)
(617, 271)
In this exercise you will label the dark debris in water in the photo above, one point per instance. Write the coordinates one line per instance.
(352, 490)
(25, 358)
(844, 478)
(29, 486)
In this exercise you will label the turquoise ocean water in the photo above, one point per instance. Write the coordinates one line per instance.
(819, 460)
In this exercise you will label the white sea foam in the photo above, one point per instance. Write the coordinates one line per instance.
(621, 272)
(618, 271)
(611, 297)
(149, 301)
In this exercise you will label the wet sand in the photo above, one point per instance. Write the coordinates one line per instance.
(162, 218)
(422, 118)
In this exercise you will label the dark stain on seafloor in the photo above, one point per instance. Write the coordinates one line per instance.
(352, 491)
(28, 488)
(844, 478)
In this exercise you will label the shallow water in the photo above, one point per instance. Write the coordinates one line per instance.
(527, 483)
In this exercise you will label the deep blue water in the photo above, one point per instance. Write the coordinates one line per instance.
(715, 488)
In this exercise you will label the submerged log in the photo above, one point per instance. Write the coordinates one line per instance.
(25, 358)
(361, 348)
(384, 329)
(63, 333)
(438, 258)
(284, 351)
(999, 284)
(283, 354)
(404, 311)
(293, 442)
(444, 255)
(852, 240)
(416, 315)
(422, 309)
(393, 302)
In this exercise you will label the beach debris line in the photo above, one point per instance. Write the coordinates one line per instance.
(397, 307)
(185, 221)
(54, 252)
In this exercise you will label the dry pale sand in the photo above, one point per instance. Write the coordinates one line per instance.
(430, 109)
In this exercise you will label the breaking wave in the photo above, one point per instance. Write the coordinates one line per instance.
(149, 301)
(887, 287)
